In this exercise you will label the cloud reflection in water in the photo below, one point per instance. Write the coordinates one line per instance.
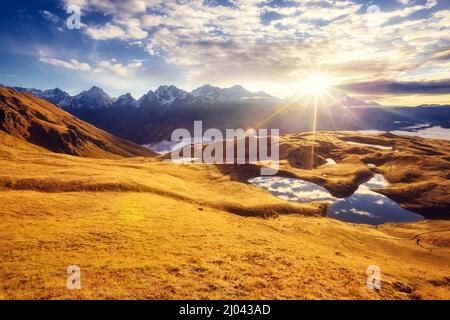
(364, 206)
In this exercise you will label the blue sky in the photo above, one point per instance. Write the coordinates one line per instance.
(389, 51)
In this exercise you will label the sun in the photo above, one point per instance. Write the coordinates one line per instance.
(317, 84)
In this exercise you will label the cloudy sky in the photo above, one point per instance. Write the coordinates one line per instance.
(390, 51)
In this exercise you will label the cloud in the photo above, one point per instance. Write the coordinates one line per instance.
(117, 67)
(277, 45)
(124, 70)
(71, 64)
(128, 29)
(441, 55)
(115, 7)
(106, 32)
(394, 87)
(50, 16)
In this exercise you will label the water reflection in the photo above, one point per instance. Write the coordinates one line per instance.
(364, 206)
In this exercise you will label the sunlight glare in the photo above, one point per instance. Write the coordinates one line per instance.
(317, 84)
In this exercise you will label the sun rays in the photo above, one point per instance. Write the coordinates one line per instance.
(317, 95)
(317, 84)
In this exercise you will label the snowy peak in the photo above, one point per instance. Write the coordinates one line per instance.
(348, 101)
(236, 92)
(168, 94)
(58, 97)
(94, 98)
(125, 100)
(165, 96)
(147, 99)
(55, 96)
(35, 92)
(206, 90)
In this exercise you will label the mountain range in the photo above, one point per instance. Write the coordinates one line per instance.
(155, 115)
(96, 98)
(41, 123)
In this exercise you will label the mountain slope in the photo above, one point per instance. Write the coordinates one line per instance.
(41, 123)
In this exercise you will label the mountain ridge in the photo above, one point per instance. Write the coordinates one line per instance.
(41, 123)
(165, 95)
(154, 116)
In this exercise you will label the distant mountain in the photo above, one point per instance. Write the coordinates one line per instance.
(433, 105)
(94, 98)
(56, 96)
(164, 96)
(59, 98)
(125, 101)
(347, 101)
(231, 94)
(33, 91)
(41, 123)
(334, 98)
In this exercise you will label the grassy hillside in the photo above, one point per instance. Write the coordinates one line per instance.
(139, 228)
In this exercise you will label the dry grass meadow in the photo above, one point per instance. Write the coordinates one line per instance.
(142, 229)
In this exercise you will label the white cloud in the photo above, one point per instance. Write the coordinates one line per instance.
(103, 66)
(117, 67)
(116, 7)
(49, 16)
(72, 64)
(106, 32)
(126, 29)
(220, 44)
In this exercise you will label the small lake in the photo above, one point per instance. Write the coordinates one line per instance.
(364, 206)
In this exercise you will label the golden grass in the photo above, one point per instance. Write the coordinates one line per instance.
(141, 229)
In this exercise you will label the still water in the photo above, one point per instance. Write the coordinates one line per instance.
(364, 206)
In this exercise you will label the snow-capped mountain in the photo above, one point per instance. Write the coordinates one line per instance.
(55, 96)
(347, 101)
(207, 91)
(125, 101)
(231, 94)
(168, 94)
(164, 97)
(59, 98)
(94, 98)
(147, 100)
(33, 91)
